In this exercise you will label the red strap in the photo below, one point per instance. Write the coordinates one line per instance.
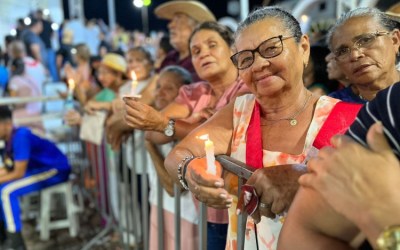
(338, 121)
(254, 151)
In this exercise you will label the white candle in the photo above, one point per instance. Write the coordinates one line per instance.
(71, 87)
(209, 148)
(69, 104)
(134, 83)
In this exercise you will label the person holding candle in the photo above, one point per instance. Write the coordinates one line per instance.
(171, 78)
(86, 87)
(280, 122)
(111, 75)
(210, 47)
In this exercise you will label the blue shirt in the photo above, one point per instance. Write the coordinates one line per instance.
(385, 107)
(347, 95)
(40, 153)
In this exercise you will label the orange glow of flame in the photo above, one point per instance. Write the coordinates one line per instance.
(203, 137)
(133, 76)
(71, 84)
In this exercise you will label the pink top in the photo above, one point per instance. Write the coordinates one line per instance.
(25, 86)
(197, 96)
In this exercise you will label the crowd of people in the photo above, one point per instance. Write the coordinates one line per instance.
(265, 93)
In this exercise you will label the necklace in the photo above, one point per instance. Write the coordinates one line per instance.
(292, 118)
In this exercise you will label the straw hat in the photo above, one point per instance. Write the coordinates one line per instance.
(394, 11)
(115, 62)
(193, 9)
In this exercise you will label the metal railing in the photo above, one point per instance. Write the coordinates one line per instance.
(128, 192)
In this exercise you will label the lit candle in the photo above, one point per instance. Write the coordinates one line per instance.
(209, 148)
(134, 83)
(69, 104)
(71, 87)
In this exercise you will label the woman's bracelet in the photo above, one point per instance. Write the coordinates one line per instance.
(182, 170)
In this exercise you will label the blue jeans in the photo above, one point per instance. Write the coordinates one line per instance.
(216, 236)
(51, 64)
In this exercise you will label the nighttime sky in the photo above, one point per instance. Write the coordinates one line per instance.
(130, 17)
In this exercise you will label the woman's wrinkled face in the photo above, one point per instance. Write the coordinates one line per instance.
(334, 72)
(365, 65)
(106, 76)
(272, 76)
(210, 54)
(138, 62)
(180, 27)
(167, 89)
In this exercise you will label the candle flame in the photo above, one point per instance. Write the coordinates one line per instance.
(133, 76)
(71, 84)
(203, 137)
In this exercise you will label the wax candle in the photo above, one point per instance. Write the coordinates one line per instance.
(134, 83)
(69, 103)
(71, 87)
(209, 148)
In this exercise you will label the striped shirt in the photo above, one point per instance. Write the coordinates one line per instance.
(385, 108)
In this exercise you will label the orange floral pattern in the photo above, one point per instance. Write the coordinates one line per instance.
(268, 229)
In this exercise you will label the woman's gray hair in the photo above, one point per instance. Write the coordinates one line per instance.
(185, 76)
(384, 20)
(289, 22)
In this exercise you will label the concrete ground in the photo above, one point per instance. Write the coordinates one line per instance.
(90, 226)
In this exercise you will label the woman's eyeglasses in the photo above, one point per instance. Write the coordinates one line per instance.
(270, 48)
(363, 41)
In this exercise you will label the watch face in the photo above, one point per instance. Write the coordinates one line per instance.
(169, 132)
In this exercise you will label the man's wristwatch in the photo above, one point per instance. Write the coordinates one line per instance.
(170, 129)
(389, 239)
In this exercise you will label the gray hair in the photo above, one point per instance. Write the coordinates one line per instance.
(183, 74)
(385, 21)
(289, 22)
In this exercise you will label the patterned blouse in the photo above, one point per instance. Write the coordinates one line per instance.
(268, 229)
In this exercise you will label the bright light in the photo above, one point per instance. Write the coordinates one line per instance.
(304, 18)
(203, 137)
(146, 2)
(46, 12)
(138, 3)
(73, 51)
(55, 26)
(27, 21)
(13, 32)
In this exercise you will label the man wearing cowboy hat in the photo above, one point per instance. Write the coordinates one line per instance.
(183, 17)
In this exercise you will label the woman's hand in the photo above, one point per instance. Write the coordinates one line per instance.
(276, 187)
(349, 175)
(206, 187)
(144, 117)
(201, 116)
(92, 106)
(117, 131)
(72, 117)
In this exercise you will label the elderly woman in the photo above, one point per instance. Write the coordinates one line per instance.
(365, 43)
(170, 80)
(183, 17)
(210, 47)
(276, 124)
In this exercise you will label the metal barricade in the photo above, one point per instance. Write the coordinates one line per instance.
(128, 196)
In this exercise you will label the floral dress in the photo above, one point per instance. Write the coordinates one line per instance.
(268, 229)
